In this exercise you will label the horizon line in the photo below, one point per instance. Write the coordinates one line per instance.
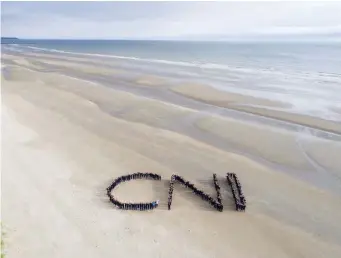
(281, 38)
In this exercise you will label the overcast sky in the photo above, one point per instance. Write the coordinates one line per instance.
(178, 20)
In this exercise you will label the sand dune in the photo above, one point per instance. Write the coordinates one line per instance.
(64, 140)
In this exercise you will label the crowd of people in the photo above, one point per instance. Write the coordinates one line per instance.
(241, 195)
(132, 206)
(232, 179)
(237, 193)
(217, 188)
(170, 192)
(216, 204)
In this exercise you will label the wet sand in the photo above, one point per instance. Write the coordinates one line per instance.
(240, 102)
(65, 139)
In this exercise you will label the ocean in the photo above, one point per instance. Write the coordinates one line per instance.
(306, 75)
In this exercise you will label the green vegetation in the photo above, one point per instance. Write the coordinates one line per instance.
(2, 242)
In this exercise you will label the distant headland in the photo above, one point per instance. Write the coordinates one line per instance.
(9, 40)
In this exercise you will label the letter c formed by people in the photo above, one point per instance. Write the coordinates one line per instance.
(133, 206)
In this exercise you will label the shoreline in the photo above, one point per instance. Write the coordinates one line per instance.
(176, 79)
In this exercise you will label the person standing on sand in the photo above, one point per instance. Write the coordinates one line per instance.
(155, 204)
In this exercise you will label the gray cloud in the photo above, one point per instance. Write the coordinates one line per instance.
(167, 19)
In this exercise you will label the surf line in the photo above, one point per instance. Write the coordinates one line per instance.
(232, 180)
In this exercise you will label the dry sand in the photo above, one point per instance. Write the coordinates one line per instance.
(150, 81)
(64, 140)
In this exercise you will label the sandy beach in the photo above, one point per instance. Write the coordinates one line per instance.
(71, 125)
